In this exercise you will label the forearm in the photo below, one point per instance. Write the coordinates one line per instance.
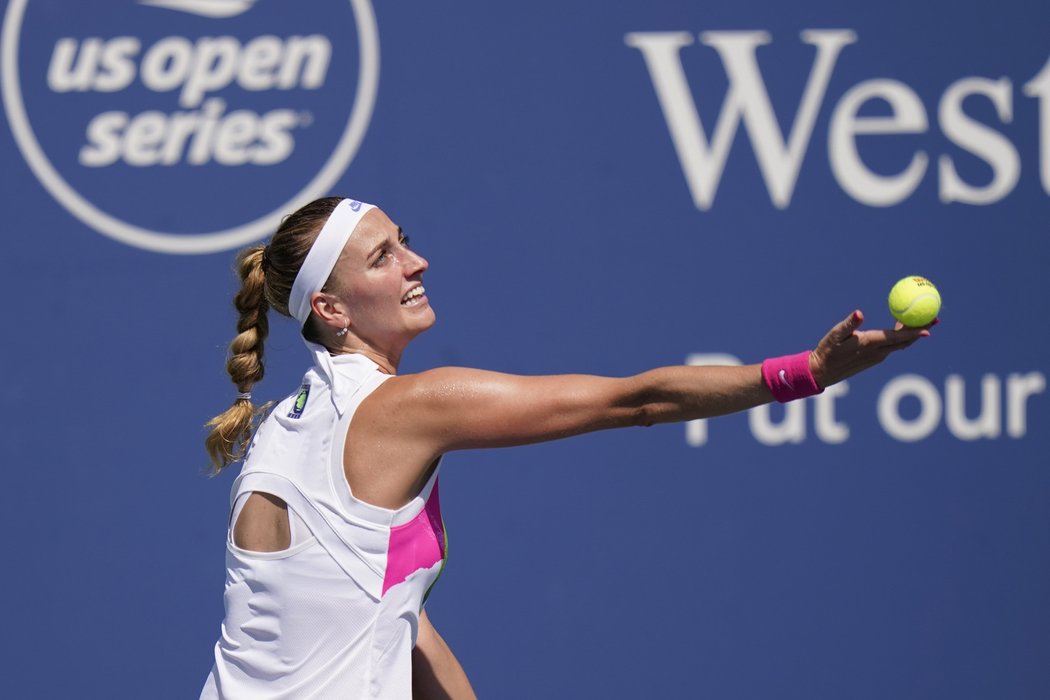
(671, 394)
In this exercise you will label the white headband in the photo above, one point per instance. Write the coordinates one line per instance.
(323, 255)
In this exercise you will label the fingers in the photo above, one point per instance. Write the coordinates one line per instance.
(901, 338)
(898, 325)
(906, 335)
(882, 343)
(898, 334)
(891, 338)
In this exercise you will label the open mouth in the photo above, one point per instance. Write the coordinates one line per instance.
(413, 297)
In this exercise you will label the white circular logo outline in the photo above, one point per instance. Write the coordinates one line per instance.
(181, 243)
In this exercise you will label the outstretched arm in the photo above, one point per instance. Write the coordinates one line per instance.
(436, 674)
(454, 408)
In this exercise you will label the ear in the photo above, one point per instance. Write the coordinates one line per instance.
(330, 310)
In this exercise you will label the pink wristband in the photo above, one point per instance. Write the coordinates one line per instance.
(789, 377)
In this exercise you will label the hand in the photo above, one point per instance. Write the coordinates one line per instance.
(845, 350)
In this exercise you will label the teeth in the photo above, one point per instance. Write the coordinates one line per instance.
(415, 293)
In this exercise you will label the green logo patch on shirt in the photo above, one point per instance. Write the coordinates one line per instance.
(300, 402)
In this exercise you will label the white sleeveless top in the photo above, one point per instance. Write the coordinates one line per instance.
(336, 615)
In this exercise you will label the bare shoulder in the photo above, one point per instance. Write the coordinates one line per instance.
(435, 386)
(443, 378)
(414, 406)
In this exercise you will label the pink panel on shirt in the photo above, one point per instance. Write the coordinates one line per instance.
(418, 544)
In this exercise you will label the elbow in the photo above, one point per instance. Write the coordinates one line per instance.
(643, 415)
(640, 404)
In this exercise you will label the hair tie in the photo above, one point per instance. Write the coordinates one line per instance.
(244, 396)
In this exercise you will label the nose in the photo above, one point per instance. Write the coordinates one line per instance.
(414, 263)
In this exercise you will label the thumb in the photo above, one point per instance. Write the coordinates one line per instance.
(852, 322)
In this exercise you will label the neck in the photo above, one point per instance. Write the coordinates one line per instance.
(387, 364)
(387, 359)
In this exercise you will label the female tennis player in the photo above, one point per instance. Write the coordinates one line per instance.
(335, 534)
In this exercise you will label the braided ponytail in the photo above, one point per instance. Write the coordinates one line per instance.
(232, 429)
(267, 274)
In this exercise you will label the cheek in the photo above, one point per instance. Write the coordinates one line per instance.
(376, 292)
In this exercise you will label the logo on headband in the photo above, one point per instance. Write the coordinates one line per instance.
(188, 126)
(355, 205)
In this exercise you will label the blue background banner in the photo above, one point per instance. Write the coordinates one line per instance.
(599, 188)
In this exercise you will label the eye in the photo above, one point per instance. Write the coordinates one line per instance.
(404, 242)
(381, 259)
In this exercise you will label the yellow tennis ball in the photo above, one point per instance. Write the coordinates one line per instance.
(914, 301)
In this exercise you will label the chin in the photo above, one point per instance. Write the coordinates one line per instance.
(431, 320)
(425, 321)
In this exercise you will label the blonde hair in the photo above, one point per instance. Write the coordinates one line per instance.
(267, 273)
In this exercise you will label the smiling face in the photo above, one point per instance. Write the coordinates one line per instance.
(379, 283)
